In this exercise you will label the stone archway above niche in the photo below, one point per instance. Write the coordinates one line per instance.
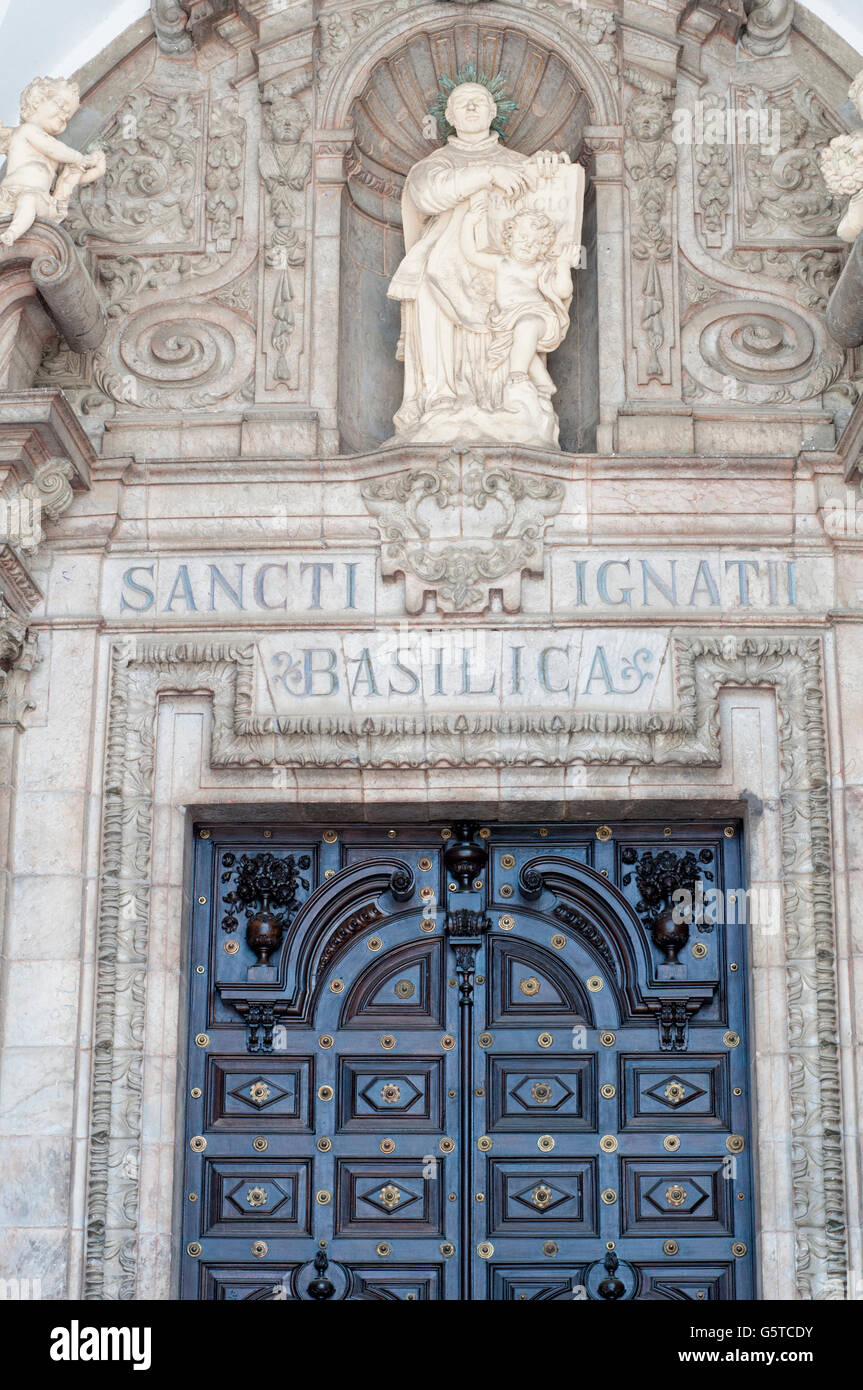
(389, 118)
(584, 37)
(392, 132)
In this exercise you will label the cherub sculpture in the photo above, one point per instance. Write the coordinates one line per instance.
(842, 169)
(41, 172)
(532, 291)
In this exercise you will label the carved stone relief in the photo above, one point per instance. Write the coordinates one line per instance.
(224, 178)
(173, 190)
(596, 28)
(154, 148)
(650, 159)
(339, 32)
(768, 25)
(781, 194)
(752, 333)
(762, 352)
(713, 177)
(459, 529)
(285, 164)
(170, 18)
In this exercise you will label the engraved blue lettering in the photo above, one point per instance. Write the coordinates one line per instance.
(602, 583)
(466, 687)
(365, 672)
(310, 671)
(259, 586)
(235, 595)
(138, 588)
(742, 577)
(350, 584)
(668, 591)
(317, 568)
(183, 583)
(406, 671)
(704, 576)
(542, 667)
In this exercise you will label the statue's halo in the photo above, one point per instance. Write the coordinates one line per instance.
(496, 87)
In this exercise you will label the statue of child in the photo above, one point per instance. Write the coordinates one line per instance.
(42, 172)
(842, 169)
(532, 292)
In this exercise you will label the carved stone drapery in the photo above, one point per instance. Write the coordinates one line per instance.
(688, 738)
(461, 527)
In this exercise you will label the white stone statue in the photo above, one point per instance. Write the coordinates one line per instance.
(41, 172)
(491, 237)
(842, 168)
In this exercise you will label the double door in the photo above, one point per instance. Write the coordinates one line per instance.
(465, 1062)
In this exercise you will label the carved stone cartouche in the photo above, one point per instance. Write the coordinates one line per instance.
(461, 526)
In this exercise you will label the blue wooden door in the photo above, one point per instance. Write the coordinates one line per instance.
(466, 1063)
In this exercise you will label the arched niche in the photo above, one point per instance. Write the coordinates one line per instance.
(391, 135)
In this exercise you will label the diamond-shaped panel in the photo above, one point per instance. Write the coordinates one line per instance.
(382, 1195)
(541, 1196)
(693, 1194)
(380, 1095)
(541, 1093)
(260, 1092)
(245, 1195)
(675, 1092)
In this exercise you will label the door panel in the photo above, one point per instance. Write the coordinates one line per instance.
(465, 1064)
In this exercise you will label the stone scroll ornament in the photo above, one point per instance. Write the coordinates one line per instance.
(41, 172)
(842, 169)
(491, 237)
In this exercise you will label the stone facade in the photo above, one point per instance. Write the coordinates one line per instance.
(220, 596)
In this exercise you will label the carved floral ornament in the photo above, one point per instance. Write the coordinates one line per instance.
(461, 527)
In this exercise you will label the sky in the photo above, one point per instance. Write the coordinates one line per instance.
(70, 32)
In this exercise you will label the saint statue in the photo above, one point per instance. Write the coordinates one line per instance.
(491, 238)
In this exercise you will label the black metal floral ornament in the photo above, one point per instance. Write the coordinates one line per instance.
(495, 85)
(658, 877)
(266, 888)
